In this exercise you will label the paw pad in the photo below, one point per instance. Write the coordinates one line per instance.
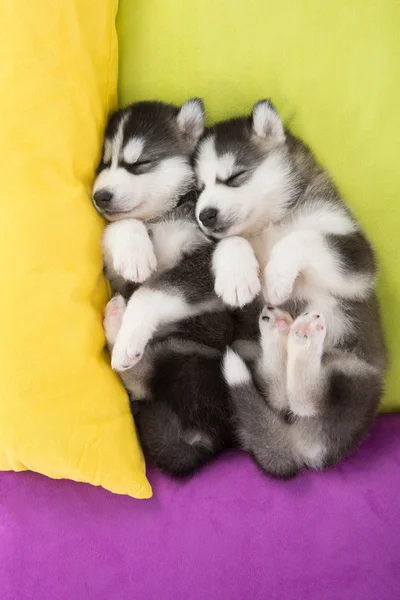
(276, 318)
(309, 326)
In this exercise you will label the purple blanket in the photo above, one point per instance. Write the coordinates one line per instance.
(229, 533)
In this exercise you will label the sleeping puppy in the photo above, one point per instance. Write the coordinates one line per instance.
(146, 186)
(145, 173)
(160, 262)
(323, 355)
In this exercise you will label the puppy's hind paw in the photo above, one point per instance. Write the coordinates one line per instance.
(113, 314)
(274, 318)
(127, 352)
(308, 331)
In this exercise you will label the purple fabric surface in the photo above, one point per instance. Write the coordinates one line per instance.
(228, 533)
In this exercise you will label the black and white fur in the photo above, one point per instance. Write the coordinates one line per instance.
(145, 185)
(144, 171)
(181, 402)
(323, 355)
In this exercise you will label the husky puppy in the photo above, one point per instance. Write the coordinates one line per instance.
(145, 187)
(144, 172)
(323, 355)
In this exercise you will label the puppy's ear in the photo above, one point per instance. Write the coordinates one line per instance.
(191, 119)
(266, 121)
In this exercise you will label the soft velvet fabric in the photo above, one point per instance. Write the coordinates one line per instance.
(229, 533)
(331, 68)
(63, 412)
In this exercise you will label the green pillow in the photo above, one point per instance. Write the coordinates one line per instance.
(331, 68)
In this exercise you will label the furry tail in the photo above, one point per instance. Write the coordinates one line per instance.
(166, 444)
(260, 431)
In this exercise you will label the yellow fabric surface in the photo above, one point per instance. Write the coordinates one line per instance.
(331, 68)
(63, 412)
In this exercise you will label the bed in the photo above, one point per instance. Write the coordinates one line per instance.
(228, 533)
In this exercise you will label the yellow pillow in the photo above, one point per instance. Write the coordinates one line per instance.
(331, 68)
(63, 412)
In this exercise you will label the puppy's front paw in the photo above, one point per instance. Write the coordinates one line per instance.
(236, 269)
(136, 262)
(128, 249)
(279, 282)
(237, 288)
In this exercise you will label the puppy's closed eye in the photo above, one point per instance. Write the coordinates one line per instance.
(138, 168)
(235, 180)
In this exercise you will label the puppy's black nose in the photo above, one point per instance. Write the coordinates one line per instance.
(102, 198)
(208, 217)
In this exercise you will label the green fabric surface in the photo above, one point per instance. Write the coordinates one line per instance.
(331, 68)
